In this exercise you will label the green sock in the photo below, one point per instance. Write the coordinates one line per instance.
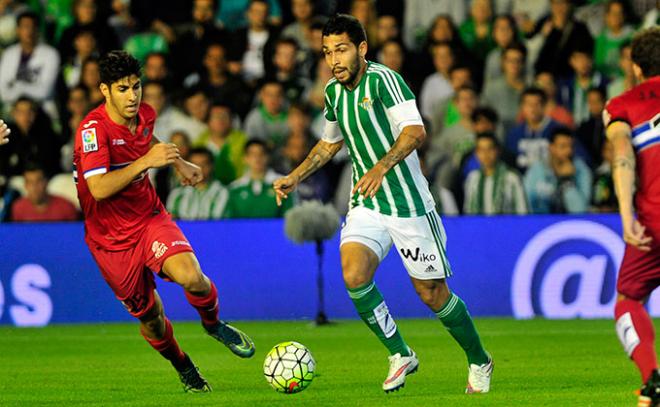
(373, 311)
(456, 318)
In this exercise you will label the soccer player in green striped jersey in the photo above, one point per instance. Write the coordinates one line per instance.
(371, 110)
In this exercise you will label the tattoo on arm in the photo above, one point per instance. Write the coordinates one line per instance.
(404, 145)
(623, 163)
(317, 158)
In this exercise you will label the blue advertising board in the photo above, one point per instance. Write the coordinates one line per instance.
(522, 267)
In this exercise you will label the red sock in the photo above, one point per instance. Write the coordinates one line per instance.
(168, 346)
(635, 331)
(207, 306)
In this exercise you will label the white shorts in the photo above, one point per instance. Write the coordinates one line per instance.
(420, 241)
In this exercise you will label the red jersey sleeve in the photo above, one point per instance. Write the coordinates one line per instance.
(94, 152)
(616, 110)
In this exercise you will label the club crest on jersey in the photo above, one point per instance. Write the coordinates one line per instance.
(366, 103)
(89, 140)
(158, 248)
(145, 132)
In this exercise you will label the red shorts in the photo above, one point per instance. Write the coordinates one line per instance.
(640, 271)
(130, 272)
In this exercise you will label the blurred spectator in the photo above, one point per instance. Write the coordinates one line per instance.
(194, 38)
(503, 93)
(494, 188)
(525, 12)
(286, 71)
(84, 47)
(392, 55)
(528, 141)
(32, 140)
(206, 200)
(253, 45)
(615, 33)
(562, 183)
(90, 78)
(195, 111)
(447, 150)
(30, 67)
(143, 43)
(122, 22)
(573, 92)
(77, 106)
(38, 205)
(626, 81)
(226, 143)
(167, 116)
(505, 34)
(365, 12)
(299, 30)
(317, 92)
(445, 203)
(217, 82)
(444, 29)
(86, 18)
(546, 81)
(252, 195)
(156, 68)
(476, 31)
(591, 133)
(446, 114)
(420, 16)
(387, 29)
(232, 13)
(294, 152)
(314, 53)
(166, 179)
(437, 89)
(267, 121)
(561, 35)
(604, 197)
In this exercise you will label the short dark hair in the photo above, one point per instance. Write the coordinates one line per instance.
(287, 41)
(488, 135)
(646, 51)
(560, 131)
(597, 89)
(256, 142)
(116, 65)
(534, 91)
(33, 166)
(516, 46)
(26, 99)
(485, 112)
(344, 23)
(29, 14)
(202, 151)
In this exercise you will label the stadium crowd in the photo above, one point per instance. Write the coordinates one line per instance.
(512, 92)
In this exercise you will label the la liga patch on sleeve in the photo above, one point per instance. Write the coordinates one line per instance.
(89, 140)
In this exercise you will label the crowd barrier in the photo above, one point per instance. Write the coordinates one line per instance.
(507, 266)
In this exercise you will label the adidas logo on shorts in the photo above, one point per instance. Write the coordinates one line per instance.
(430, 269)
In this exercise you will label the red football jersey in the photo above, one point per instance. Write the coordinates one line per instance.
(640, 108)
(102, 145)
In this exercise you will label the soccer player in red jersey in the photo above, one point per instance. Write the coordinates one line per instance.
(129, 233)
(633, 126)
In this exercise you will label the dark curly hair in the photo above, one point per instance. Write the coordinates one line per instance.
(344, 23)
(646, 51)
(116, 65)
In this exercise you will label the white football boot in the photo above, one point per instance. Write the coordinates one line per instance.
(479, 377)
(400, 367)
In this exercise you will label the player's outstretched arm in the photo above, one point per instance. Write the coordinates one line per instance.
(322, 152)
(410, 138)
(103, 186)
(4, 133)
(623, 175)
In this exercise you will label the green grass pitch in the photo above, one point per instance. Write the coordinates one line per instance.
(537, 363)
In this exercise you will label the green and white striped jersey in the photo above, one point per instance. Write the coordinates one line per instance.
(192, 203)
(369, 119)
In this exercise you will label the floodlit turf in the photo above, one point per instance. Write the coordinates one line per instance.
(537, 363)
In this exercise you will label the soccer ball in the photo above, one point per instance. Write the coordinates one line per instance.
(289, 367)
